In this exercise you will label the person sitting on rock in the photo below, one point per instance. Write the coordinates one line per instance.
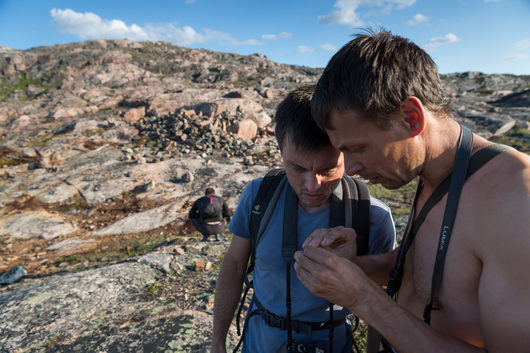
(208, 214)
(311, 193)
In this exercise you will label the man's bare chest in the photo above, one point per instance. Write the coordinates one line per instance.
(456, 298)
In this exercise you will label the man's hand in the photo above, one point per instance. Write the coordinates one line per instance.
(339, 240)
(331, 277)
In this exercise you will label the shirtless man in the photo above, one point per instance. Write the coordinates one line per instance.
(381, 101)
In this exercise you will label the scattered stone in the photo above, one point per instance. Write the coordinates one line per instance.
(246, 129)
(188, 177)
(179, 251)
(199, 266)
(13, 275)
(134, 114)
(145, 187)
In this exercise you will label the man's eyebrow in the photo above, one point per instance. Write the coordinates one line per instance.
(294, 164)
(351, 147)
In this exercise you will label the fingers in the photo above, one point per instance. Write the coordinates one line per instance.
(319, 257)
(332, 237)
(315, 238)
(326, 275)
(338, 236)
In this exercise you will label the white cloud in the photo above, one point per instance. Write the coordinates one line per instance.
(328, 47)
(282, 35)
(520, 51)
(347, 10)
(180, 36)
(269, 36)
(439, 41)
(88, 25)
(516, 57)
(522, 44)
(323, 47)
(305, 49)
(417, 19)
(249, 42)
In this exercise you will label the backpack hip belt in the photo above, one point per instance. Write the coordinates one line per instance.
(305, 327)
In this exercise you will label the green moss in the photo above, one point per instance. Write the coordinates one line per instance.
(246, 83)
(10, 162)
(154, 288)
(518, 138)
(360, 336)
(116, 250)
(403, 194)
(69, 259)
(74, 206)
(21, 82)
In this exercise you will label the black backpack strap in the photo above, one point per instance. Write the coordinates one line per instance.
(289, 240)
(358, 193)
(483, 156)
(262, 206)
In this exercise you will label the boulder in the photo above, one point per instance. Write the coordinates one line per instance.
(13, 275)
(134, 114)
(246, 129)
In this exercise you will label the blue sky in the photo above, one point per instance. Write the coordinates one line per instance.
(491, 36)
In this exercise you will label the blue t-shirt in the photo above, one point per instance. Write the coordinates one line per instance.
(270, 273)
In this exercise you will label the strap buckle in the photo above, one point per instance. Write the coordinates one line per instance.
(274, 320)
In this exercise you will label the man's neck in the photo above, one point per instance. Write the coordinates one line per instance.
(442, 138)
(311, 209)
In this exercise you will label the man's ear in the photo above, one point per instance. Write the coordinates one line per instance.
(413, 114)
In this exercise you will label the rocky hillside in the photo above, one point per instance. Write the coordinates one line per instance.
(104, 145)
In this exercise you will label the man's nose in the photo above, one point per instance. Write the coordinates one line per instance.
(313, 182)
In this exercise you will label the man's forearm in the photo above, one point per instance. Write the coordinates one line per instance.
(406, 332)
(227, 294)
(377, 267)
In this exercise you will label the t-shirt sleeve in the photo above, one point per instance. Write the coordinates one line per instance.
(382, 230)
(239, 225)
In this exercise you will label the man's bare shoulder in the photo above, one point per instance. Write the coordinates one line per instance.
(499, 198)
(506, 173)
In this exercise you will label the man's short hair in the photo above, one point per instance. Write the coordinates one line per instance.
(209, 191)
(294, 121)
(373, 74)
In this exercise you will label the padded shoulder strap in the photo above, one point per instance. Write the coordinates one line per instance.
(360, 201)
(263, 205)
(484, 155)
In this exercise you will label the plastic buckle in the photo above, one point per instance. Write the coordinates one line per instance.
(276, 321)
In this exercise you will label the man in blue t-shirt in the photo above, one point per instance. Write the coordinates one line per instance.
(314, 171)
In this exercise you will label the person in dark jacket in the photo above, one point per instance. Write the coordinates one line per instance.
(208, 214)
